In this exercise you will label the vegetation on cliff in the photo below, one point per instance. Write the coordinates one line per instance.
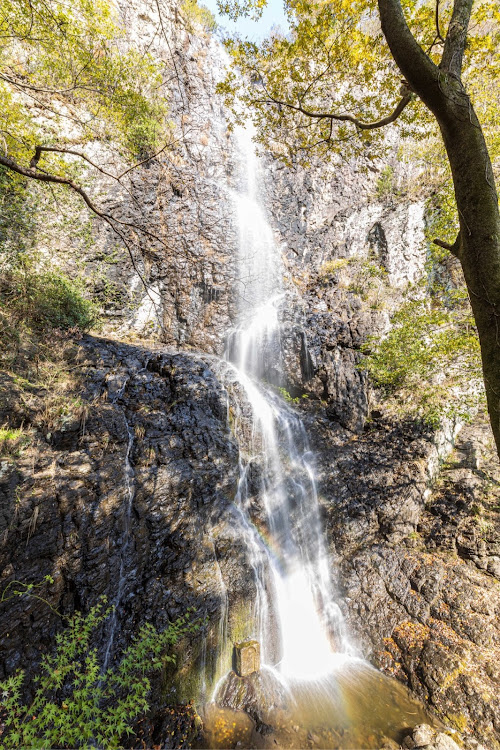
(342, 58)
(75, 703)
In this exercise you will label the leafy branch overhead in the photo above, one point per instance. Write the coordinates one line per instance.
(70, 79)
(72, 64)
(332, 78)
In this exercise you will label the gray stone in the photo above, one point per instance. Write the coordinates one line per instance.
(445, 742)
(423, 735)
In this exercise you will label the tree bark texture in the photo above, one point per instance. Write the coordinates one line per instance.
(478, 249)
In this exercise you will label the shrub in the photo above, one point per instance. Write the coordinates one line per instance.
(74, 703)
(429, 363)
(385, 186)
(47, 299)
(32, 293)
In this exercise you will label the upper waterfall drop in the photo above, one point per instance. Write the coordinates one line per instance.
(297, 619)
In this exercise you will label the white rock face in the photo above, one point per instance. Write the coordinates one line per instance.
(404, 252)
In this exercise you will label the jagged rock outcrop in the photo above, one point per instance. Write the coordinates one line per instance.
(260, 695)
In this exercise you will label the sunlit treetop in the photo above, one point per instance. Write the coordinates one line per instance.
(330, 84)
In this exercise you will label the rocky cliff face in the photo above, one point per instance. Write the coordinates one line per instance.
(418, 565)
(149, 444)
(131, 493)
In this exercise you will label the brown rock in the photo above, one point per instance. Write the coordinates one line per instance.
(247, 657)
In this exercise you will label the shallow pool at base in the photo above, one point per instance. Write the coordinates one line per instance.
(357, 707)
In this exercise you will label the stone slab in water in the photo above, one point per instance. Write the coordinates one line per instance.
(247, 657)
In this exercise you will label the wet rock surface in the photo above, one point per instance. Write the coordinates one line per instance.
(259, 695)
(63, 504)
(416, 567)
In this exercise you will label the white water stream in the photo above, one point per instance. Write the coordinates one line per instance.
(297, 621)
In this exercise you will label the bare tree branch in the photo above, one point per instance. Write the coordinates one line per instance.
(59, 150)
(438, 30)
(112, 222)
(343, 118)
(74, 87)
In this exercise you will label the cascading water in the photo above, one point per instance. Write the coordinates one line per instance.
(294, 592)
(295, 616)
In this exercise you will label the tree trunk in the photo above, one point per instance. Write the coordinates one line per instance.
(478, 248)
(479, 245)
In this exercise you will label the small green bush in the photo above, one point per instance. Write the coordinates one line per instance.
(47, 299)
(75, 704)
(385, 186)
(429, 363)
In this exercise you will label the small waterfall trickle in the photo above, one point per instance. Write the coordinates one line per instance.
(129, 474)
(129, 477)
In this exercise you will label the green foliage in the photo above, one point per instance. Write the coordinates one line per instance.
(386, 185)
(13, 441)
(334, 59)
(32, 293)
(33, 590)
(428, 365)
(74, 703)
(288, 397)
(47, 299)
(72, 62)
(367, 278)
(17, 216)
(198, 15)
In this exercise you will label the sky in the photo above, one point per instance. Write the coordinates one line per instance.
(273, 15)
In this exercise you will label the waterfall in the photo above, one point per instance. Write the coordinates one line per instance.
(296, 618)
(312, 688)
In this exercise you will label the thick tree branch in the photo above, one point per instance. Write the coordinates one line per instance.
(456, 38)
(417, 67)
(59, 150)
(343, 118)
(33, 174)
(453, 248)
